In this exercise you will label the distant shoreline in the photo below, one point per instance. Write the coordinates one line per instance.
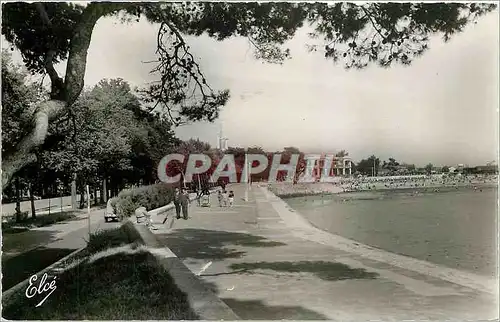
(316, 189)
(441, 188)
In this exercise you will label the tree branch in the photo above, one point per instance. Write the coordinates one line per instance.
(23, 154)
(180, 76)
(57, 84)
(79, 45)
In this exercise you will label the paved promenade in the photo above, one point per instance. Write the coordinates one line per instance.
(262, 262)
(26, 253)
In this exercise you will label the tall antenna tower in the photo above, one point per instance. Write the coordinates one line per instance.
(222, 141)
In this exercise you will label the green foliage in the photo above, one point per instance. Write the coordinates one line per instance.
(192, 146)
(428, 168)
(23, 28)
(109, 238)
(150, 197)
(358, 34)
(101, 134)
(121, 286)
(366, 166)
(111, 136)
(383, 32)
(18, 97)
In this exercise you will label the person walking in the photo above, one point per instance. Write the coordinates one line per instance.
(177, 205)
(220, 197)
(206, 197)
(199, 194)
(224, 198)
(184, 201)
(231, 198)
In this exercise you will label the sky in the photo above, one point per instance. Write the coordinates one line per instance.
(442, 109)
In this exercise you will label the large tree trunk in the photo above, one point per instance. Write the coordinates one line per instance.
(82, 196)
(18, 202)
(73, 192)
(45, 112)
(104, 193)
(32, 200)
(95, 196)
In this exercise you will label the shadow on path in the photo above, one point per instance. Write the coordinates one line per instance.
(23, 241)
(257, 310)
(212, 244)
(328, 271)
(21, 267)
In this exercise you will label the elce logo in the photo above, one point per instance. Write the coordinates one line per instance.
(41, 288)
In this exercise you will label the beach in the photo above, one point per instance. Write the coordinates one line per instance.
(421, 182)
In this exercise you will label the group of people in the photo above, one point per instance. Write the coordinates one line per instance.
(225, 199)
(181, 203)
(433, 181)
(181, 200)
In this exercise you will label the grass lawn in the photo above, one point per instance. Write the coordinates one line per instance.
(40, 221)
(124, 286)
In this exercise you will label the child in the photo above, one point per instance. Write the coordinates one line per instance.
(219, 198)
(231, 198)
(224, 198)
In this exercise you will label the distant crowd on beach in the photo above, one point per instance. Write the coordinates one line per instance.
(405, 182)
(352, 184)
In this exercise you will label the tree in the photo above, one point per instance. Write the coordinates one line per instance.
(341, 154)
(392, 165)
(369, 166)
(445, 169)
(113, 138)
(358, 34)
(18, 94)
(286, 158)
(410, 167)
(256, 150)
(193, 146)
(428, 168)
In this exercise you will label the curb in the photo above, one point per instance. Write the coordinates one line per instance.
(6, 295)
(203, 301)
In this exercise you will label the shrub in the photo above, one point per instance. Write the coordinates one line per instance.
(104, 239)
(150, 197)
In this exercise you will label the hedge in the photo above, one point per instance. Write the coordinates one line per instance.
(150, 197)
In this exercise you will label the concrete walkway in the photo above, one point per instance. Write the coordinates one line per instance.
(265, 264)
(18, 243)
(29, 252)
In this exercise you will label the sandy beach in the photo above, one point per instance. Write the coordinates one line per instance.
(384, 183)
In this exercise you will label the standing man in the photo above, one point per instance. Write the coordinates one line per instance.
(199, 194)
(219, 197)
(184, 201)
(177, 205)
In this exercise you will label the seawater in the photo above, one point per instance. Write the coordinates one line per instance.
(457, 228)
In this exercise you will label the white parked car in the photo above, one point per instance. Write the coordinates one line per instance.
(109, 213)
